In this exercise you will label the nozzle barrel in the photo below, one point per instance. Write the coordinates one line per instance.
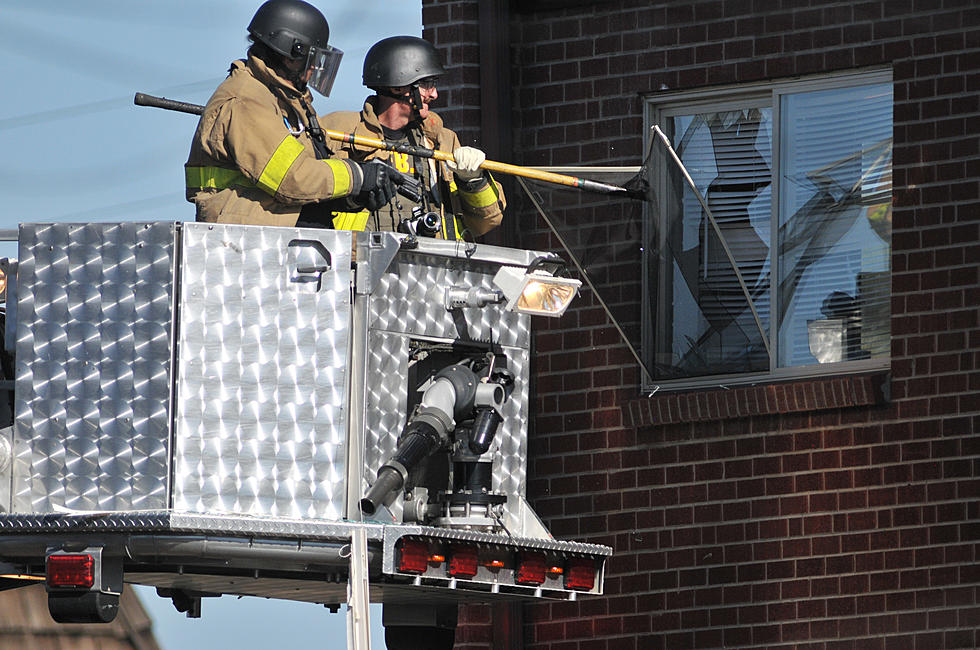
(419, 440)
(389, 480)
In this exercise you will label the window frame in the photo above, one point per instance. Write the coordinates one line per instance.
(768, 94)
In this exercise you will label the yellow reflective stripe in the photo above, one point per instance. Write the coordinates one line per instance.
(481, 199)
(351, 220)
(220, 178)
(275, 170)
(217, 178)
(341, 179)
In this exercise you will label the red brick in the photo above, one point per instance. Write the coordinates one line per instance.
(880, 488)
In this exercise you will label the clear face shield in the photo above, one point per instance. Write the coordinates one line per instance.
(322, 65)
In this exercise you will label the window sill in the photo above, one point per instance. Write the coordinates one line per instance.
(813, 394)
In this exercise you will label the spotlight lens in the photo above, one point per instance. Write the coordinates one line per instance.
(545, 297)
(536, 293)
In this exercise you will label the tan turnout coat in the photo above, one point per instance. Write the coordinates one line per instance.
(480, 211)
(249, 163)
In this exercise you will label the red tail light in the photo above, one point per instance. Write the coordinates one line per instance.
(463, 562)
(580, 574)
(71, 571)
(413, 556)
(530, 569)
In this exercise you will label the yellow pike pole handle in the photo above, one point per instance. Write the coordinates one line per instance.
(489, 165)
(142, 99)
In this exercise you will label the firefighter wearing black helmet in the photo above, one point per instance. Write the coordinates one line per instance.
(259, 155)
(403, 72)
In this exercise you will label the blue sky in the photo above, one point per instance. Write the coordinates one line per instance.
(75, 148)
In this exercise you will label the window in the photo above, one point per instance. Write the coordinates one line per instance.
(780, 268)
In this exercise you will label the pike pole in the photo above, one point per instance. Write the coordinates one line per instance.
(489, 165)
(142, 99)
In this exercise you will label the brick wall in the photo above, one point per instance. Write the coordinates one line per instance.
(453, 27)
(802, 516)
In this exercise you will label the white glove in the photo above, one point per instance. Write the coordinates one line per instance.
(468, 161)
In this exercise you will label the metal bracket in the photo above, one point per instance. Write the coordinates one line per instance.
(375, 251)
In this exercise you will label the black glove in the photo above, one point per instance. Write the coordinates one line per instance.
(377, 188)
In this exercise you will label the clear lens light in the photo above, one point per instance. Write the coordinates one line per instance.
(535, 293)
(544, 298)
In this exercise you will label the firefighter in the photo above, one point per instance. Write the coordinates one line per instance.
(258, 155)
(464, 200)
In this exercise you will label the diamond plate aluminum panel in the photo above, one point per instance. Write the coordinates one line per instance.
(386, 400)
(93, 383)
(177, 522)
(410, 298)
(412, 280)
(264, 329)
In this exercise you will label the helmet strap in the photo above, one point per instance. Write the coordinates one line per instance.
(413, 99)
(294, 77)
(277, 63)
(416, 102)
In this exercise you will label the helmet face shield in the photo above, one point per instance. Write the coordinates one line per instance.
(322, 64)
